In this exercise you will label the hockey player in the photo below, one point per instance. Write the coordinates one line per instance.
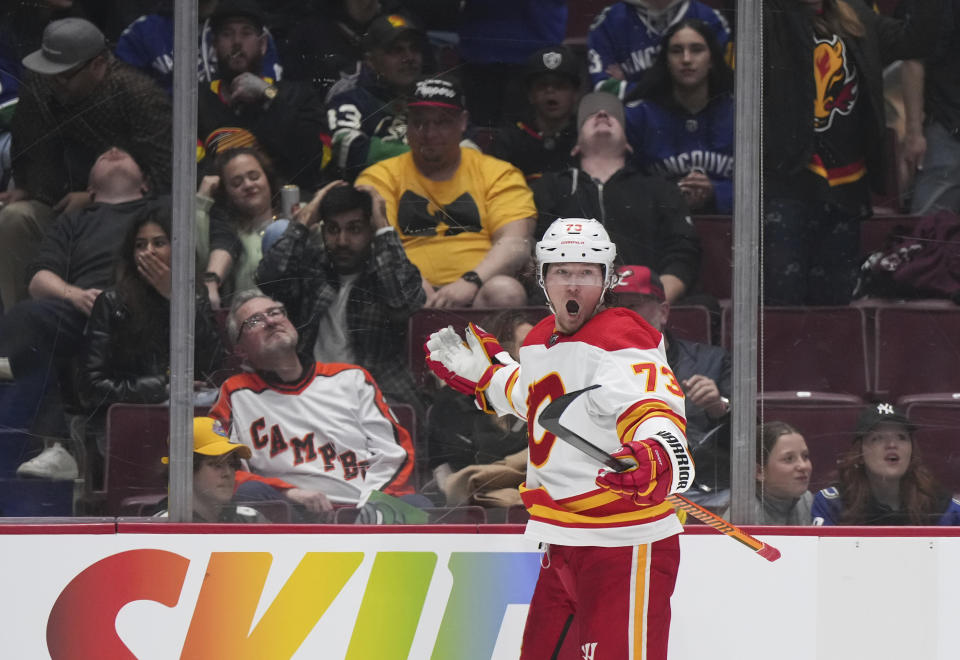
(612, 551)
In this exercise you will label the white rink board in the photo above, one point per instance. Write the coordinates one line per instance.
(843, 598)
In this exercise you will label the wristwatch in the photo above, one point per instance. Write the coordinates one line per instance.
(210, 276)
(472, 277)
(270, 92)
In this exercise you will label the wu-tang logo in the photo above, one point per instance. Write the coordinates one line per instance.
(836, 82)
(418, 216)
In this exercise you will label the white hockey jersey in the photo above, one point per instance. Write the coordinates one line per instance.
(330, 431)
(638, 398)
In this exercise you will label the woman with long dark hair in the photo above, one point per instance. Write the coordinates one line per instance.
(127, 356)
(681, 127)
(882, 479)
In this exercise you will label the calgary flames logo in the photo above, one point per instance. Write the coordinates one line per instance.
(622, 277)
(836, 84)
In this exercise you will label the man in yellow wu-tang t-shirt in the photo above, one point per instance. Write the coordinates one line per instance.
(466, 220)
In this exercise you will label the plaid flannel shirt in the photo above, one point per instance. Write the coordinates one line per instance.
(298, 273)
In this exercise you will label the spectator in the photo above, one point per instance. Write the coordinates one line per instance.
(328, 43)
(823, 113)
(465, 219)
(234, 207)
(931, 98)
(75, 261)
(783, 475)
(127, 351)
(351, 294)
(284, 119)
(367, 111)
(626, 37)
(496, 38)
(10, 74)
(682, 129)
(147, 44)
(77, 102)
(646, 217)
(322, 429)
(543, 142)
(882, 479)
(216, 462)
(704, 373)
(477, 458)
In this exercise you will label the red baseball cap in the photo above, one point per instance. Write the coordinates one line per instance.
(639, 280)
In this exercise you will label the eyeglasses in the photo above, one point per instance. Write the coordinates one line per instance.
(261, 318)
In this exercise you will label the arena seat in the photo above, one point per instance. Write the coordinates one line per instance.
(136, 441)
(826, 421)
(875, 231)
(690, 322)
(916, 349)
(425, 321)
(716, 254)
(937, 416)
(822, 349)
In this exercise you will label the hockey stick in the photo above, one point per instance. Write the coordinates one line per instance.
(550, 420)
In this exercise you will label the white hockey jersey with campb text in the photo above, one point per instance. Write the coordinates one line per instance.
(638, 398)
(329, 431)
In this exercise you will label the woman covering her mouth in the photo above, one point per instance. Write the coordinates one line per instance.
(882, 479)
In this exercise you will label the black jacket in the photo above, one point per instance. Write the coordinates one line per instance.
(289, 129)
(521, 144)
(121, 367)
(788, 82)
(645, 216)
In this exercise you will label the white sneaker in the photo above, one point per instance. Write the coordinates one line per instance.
(54, 462)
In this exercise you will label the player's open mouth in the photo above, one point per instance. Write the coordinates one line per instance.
(573, 307)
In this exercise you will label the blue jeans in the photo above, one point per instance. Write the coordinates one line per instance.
(811, 253)
(937, 185)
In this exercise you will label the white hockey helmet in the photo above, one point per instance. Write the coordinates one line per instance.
(576, 240)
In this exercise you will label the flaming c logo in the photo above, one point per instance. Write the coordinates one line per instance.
(836, 84)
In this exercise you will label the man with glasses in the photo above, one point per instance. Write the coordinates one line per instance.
(75, 102)
(465, 219)
(319, 432)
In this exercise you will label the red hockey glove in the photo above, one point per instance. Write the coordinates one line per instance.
(646, 483)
